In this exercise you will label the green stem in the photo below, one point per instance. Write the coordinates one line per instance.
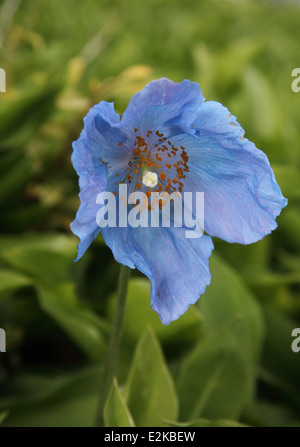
(114, 343)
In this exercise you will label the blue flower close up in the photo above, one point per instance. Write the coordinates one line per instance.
(191, 145)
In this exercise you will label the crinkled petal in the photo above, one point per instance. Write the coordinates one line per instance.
(90, 147)
(241, 196)
(164, 105)
(93, 145)
(176, 266)
(84, 226)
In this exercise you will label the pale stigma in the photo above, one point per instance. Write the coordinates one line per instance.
(150, 179)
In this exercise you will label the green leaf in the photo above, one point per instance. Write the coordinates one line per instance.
(271, 414)
(11, 280)
(245, 258)
(25, 389)
(288, 178)
(215, 378)
(262, 109)
(289, 261)
(227, 297)
(207, 423)
(116, 413)
(271, 279)
(14, 180)
(47, 258)
(20, 119)
(81, 323)
(280, 386)
(288, 228)
(69, 400)
(3, 416)
(278, 357)
(150, 391)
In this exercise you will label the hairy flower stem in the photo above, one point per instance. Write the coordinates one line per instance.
(114, 343)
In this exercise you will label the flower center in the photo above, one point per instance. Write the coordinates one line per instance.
(150, 179)
(155, 165)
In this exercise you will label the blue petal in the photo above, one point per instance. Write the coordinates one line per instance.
(90, 147)
(84, 226)
(177, 267)
(162, 105)
(241, 196)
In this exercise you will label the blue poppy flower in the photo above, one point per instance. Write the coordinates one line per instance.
(187, 144)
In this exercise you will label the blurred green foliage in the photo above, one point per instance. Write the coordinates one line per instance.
(228, 360)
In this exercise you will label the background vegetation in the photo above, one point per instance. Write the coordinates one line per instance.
(228, 360)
